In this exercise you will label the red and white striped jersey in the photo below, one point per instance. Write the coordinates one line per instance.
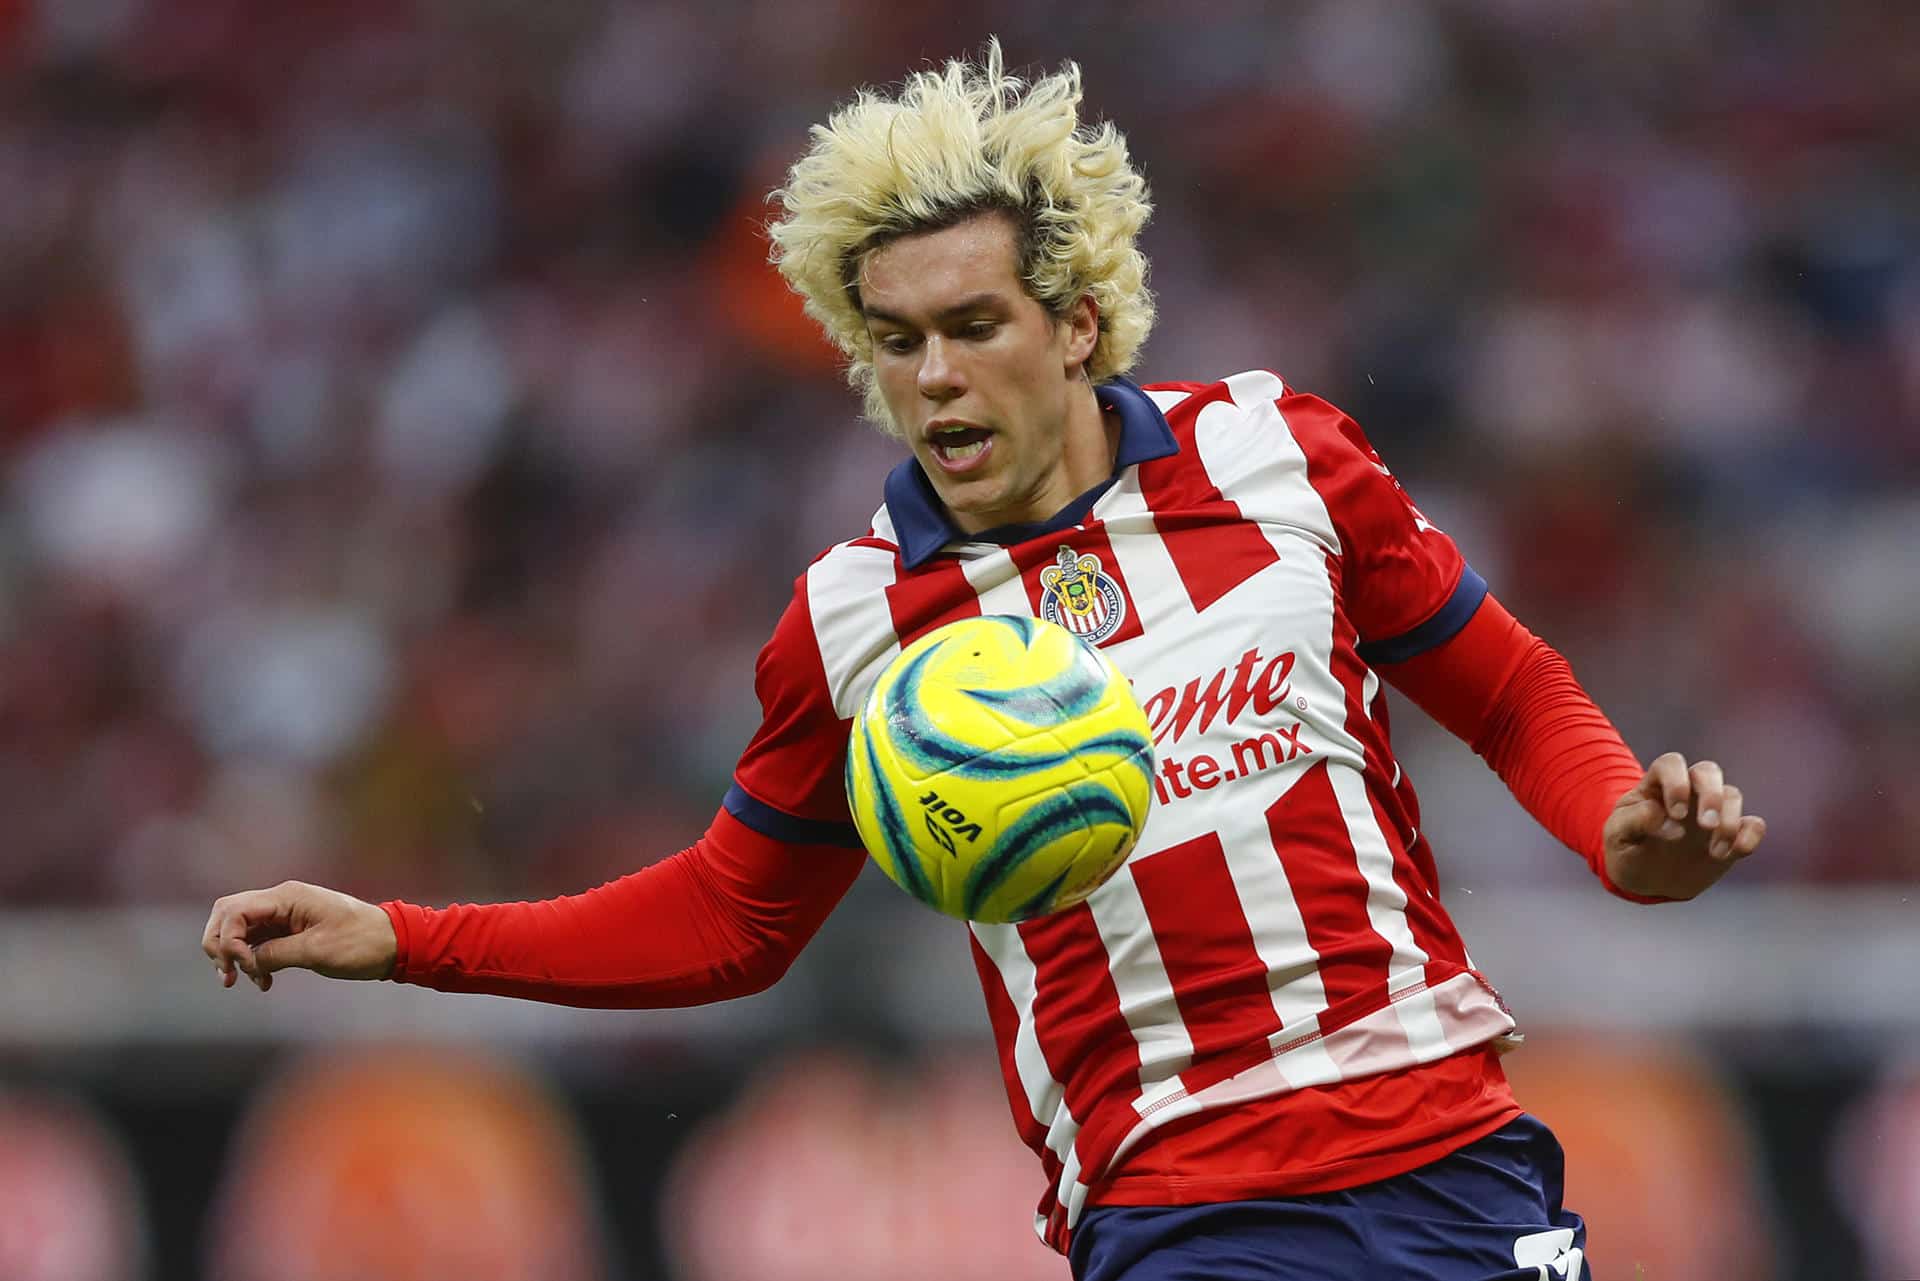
(1277, 925)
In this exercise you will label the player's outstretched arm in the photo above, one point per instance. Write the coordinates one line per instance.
(298, 926)
(722, 918)
(1680, 829)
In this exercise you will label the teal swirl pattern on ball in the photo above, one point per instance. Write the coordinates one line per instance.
(1074, 693)
(893, 830)
(1070, 810)
(1019, 625)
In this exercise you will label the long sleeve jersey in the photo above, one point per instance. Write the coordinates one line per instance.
(1269, 998)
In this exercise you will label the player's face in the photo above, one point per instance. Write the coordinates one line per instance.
(986, 385)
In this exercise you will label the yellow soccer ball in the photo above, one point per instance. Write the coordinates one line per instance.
(1001, 769)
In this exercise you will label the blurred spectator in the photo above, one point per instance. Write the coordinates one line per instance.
(404, 1166)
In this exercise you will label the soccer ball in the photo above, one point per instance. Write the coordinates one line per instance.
(1000, 769)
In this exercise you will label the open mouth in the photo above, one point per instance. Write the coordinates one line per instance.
(955, 447)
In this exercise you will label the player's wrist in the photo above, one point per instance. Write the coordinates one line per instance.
(1619, 883)
(394, 915)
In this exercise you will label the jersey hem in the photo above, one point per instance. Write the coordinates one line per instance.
(1370, 1039)
(1336, 1176)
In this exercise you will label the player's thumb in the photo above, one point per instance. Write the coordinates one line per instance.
(294, 951)
(1637, 816)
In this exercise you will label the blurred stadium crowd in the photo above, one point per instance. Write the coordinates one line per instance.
(406, 449)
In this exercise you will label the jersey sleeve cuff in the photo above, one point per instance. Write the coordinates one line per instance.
(396, 914)
(782, 826)
(1443, 626)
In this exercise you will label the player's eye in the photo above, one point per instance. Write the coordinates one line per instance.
(896, 344)
(981, 329)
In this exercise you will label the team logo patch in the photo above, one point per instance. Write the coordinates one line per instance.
(1080, 598)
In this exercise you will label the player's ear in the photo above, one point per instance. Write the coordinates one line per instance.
(1083, 332)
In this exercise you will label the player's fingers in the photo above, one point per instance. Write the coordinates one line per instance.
(1641, 819)
(245, 915)
(1668, 774)
(210, 941)
(248, 966)
(1709, 788)
(1721, 843)
(280, 954)
(238, 955)
(229, 918)
(230, 939)
(1753, 830)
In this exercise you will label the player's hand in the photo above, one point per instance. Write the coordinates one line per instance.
(298, 926)
(1679, 830)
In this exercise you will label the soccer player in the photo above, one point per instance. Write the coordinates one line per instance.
(1260, 1050)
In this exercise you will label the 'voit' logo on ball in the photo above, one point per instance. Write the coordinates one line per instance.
(1080, 598)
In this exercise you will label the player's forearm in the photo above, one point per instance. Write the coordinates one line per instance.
(1558, 753)
(1515, 700)
(716, 921)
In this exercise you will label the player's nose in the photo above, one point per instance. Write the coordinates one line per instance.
(939, 376)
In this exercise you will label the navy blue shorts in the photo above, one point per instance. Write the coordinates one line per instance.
(1489, 1212)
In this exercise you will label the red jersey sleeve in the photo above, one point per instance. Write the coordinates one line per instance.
(1403, 583)
(1514, 700)
(723, 918)
(790, 782)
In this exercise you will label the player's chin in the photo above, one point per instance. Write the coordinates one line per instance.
(976, 497)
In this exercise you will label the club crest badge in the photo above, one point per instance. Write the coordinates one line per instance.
(1079, 597)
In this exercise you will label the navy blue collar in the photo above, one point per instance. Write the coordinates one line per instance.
(924, 527)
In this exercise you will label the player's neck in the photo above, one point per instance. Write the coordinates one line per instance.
(1089, 444)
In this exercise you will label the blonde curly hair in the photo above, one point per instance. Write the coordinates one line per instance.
(957, 142)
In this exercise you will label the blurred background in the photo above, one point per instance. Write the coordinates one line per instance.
(405, 450)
